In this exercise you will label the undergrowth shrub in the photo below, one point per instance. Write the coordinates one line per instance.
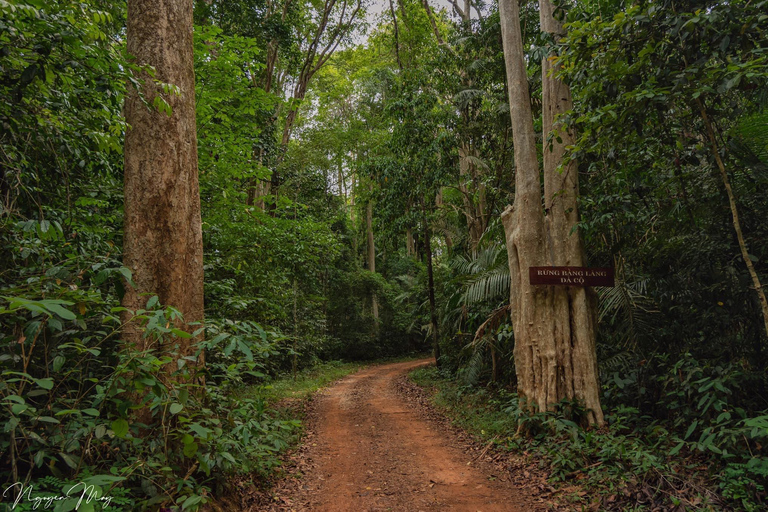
(705, 450)
(81, 406)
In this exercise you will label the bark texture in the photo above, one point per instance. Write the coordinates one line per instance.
(163, 243)
(554, 327)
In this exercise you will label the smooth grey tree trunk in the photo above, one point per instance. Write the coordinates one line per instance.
(554, 327)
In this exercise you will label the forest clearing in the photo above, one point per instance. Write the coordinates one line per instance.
(401, 255)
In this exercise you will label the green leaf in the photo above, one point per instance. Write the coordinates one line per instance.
(120, 427)
(176, 408)
(101, 277)
(200, 430)
(45, 383)
(91, 412)
(190, 449)
(127, 275)
(58, 363)
(691, 429)
(58, 310)
(191, 501)
(245, 349)
(19, 408)
(67, 505)
(676, 449)
(69, 460)
(65, 412)
(85, 507)
(103, 480)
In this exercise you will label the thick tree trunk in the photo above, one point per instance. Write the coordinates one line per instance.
(554, 327)
(163, 236)
(575, 308)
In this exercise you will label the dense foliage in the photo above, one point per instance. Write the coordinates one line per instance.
(411, 125)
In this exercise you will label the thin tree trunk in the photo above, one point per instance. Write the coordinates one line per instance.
(469, 207)
(163, 243)
(432, 22)
(431, 286)
(371, 255)
(445, 227)
(554, 328)
(397, 35)
(494, 365)
(735, 215)
(294, 359)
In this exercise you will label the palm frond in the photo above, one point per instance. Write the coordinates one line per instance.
(628, 306)
(474, 368)
(752, 133)
(496, 318)
(620, 363)
(478, 162)
(463, 98)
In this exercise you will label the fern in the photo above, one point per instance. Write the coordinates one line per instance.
(487, 275)
(628, 307)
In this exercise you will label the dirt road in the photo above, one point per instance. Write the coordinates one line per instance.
(370, 451)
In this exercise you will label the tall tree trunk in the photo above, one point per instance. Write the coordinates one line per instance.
(371, 255)
(163, 243)
(445, 227)
(554, 327)
(575, 308)
(474, 211)
(342, 193)
(397, 35)
(352, 216)
(431, 285)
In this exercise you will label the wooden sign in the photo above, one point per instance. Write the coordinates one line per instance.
(571, 276)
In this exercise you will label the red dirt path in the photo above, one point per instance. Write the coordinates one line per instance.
(369, 451)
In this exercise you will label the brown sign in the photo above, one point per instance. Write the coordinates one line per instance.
(571, 276)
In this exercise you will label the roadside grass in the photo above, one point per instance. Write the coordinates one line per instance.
(305, 383)
(617, 467)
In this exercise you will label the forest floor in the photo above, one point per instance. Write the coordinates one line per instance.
(373, 443)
